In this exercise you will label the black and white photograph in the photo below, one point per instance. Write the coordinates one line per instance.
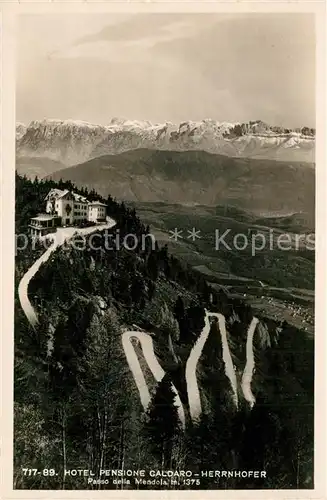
(164, 276)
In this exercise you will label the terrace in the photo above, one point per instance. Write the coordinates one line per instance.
(44, 224)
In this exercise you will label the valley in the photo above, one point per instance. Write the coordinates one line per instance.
(279, 284)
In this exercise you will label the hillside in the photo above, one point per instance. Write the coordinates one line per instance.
(200, 178)
(277, 281)
(37, 167)
(71, 141)
(73, 382)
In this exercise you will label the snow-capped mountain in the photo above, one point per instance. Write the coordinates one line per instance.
(72, 142)
(20, 130)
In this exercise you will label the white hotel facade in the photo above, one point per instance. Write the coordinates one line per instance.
(66, 208)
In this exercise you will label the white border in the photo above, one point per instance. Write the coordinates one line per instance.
(9, 10)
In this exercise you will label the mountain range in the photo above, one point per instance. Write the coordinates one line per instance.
(71, 142)
(196, 177)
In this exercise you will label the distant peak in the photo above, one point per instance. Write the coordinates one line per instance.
(223, 128)
(53, 122)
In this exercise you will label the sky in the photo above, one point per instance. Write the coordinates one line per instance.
(167, 67)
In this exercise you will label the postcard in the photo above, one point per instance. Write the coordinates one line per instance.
(163, 250)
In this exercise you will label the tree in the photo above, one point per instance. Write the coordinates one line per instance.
(179, 309)
(162, 425)
(152, 266)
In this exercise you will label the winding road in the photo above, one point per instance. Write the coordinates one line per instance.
(227, 358)
(146, 343)
(249, 367)
(193, 392)
(59, 238)
(194, 398)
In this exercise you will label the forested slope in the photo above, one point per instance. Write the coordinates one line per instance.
(77, 405)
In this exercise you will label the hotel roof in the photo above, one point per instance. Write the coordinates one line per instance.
(79, 198)
(59, 193)
(44, 217)
(97, 203)
(55, 193)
